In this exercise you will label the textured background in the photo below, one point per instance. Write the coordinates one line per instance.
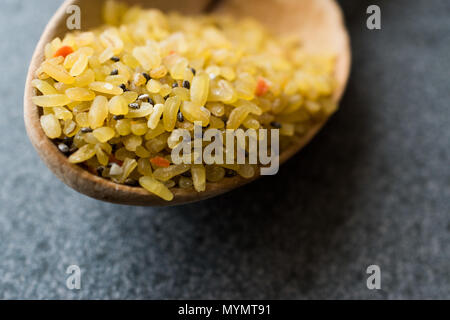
(372, 188)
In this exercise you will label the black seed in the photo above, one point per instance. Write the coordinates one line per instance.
(230, 173)
(63, 148)
(194, 72)
(131, 183)
(114, 148)
(276, 125)
(86, 130)
(100, 171)
(134, 105)
(123, 87)
(115, 59)
(109, 166)
(115, 72)
(144, 97)
(73, 149)
(68, 141)
(187, 174)
(167, 97)
(150, 100)
(146, 76)
(186, 84)
(180, 117)
(175, 85)
(119, 117)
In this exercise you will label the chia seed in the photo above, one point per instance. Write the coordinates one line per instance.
(230, 173)
(147, 77)
(63, 148)
(180, 117)
(186, 84)
(276, 125)
(144, 97)
(134, 105)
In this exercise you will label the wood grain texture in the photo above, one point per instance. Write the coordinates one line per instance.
(318, 23)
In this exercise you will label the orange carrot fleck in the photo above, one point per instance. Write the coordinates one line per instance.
(113, 159)
(160, 162)
(262, 87)
(63, 51)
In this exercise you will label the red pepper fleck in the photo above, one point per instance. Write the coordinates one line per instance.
(262, 87)
(160, 162)
(113, 159)
(171, 52)
(63, 51)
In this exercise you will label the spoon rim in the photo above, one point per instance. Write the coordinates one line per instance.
(99, 188)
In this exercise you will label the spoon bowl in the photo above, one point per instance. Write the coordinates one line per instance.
(318, 23)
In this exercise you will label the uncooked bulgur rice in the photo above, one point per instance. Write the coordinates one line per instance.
(112, 97)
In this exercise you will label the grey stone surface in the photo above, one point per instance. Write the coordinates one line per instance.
(372, 188)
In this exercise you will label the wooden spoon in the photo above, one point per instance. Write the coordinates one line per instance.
(318, 23)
